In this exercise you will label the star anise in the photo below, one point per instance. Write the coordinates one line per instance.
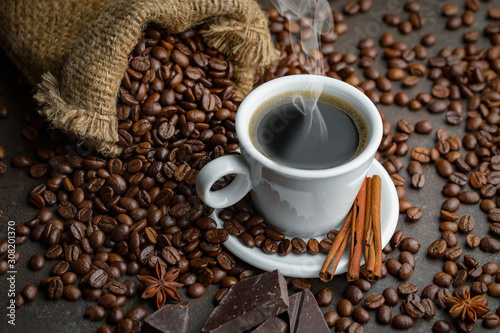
(468, 309)
(164, 287)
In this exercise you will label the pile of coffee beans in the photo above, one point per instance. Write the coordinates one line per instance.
(103, 221)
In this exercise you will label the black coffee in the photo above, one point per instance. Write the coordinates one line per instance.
(284, 133)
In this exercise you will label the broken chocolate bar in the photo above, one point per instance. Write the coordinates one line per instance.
(272, 325)
(305, 315)
(249, 303)
(171, 318)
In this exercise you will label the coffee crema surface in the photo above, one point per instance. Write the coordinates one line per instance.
(282, 131)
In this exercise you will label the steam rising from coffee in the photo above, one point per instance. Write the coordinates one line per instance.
(315, 15)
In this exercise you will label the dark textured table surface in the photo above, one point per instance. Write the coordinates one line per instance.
(44, 315)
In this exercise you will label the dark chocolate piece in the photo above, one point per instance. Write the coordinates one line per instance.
(249, 303)
(272, 325)
(171, 318)
(305, 314)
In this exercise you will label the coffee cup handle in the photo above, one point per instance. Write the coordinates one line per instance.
(218, 168)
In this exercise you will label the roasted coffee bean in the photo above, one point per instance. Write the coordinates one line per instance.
(396, 238)
(410, 244)
(413, 308)
(353, 294)
(343, 324)
(491, 320)
(437, 248)
(300, 284)
(453, 253)
(393, 266)
(442, 279)
(450, 238)
(55, 289)
(430, 292)
(414, 213)
(391, 296)
(466, 224)
(469, 197)
(494, 290)
(460, 278)
(491, 268)
(36, 262)
(324, 297)
(441, 326)
(489, 244)
(472, 241)
(72, 293)
(216, 236)
(360, 315)
(405, 289)
(451, 190)
(98, 278)
(29, 292)
(451, 204)
(384, 315)
(402, 322)
(21, 161)
(373, 302)
(331, 318)
(95, 313)
(362, 284)
(344, 307)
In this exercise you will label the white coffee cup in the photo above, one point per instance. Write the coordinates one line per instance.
(296, 202)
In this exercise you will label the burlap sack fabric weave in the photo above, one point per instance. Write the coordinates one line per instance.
(75, 52)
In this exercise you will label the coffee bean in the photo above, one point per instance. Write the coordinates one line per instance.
(344, 307)
(437, 248)
(469, 197)
(95, 313)
(410, 244)
(491, 320)
(453, 253)
(489, 244)
(29, 292)
(72, 293)
(373, 302)
(420, 154)
(393, 266)
(362, 284)
(331, 318)
(55, 289)
(452, 190)
(36, 262)
(391, 296)
(450, 238)
(466, 224)
(414, 213)
(441, 326)
(324, 297)
(494, 290)
(443, 280)
(454, 23)
(21, 161)
(402, 322)
(451, 204)
(384, 315)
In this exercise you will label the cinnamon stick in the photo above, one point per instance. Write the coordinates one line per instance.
(339, 244)
(368, 232)
(357, 234)
(377, 232)
(369, 249)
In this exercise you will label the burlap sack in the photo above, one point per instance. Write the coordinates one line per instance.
(75, 51)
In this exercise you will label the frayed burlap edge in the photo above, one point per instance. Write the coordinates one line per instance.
(83, 100)
(91, 126)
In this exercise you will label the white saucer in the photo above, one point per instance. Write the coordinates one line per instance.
(308, 265)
